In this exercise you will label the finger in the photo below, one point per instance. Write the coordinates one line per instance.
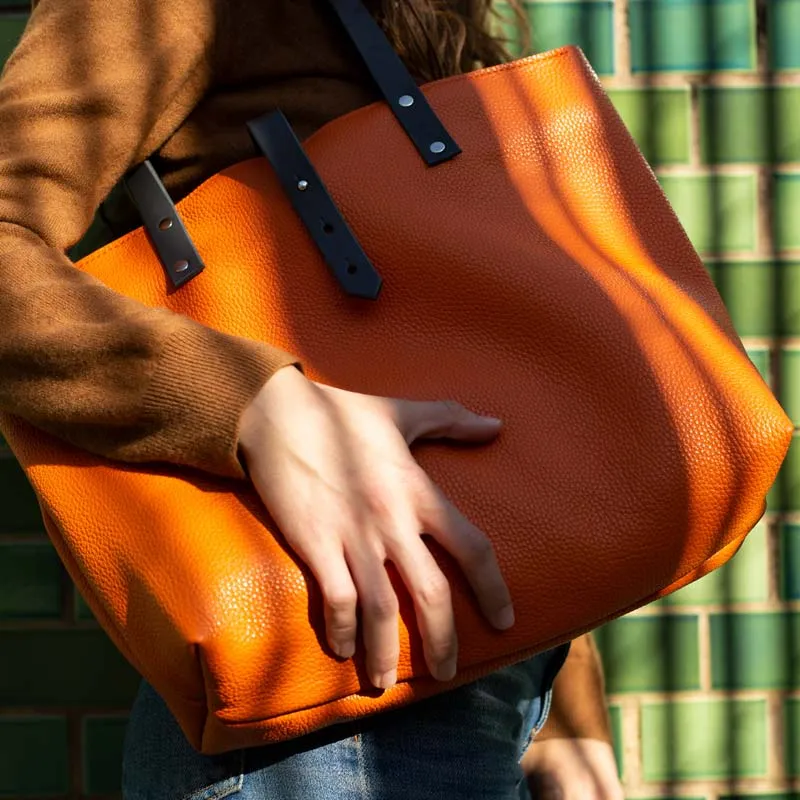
(473, 551)
(443, 419)
(339, 595)
(379, 610)
(433, 604)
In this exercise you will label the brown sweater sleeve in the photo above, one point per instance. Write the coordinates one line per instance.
(94, 87)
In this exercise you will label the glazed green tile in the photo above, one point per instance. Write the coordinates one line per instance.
(784, 33)
(615, 716)
(718, 211)
(786, 201)
(691, 35)
(790, 561)
(789, 294)
(761, 359)
(787, 488)
(750, 292)
(650, 653)
(588, 24)
(779, 796)
(67, 668)
(102, 754)
(755, 651)
(19, 510)
(82, 610)
(30, 581)
(709, 739)
(792, 736)
(745, 578)
(790, 382)
(11, 27)
(659, 121)
(33, 756)
(750, 124)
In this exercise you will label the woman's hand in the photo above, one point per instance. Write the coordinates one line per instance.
(335, 471)
(572, 769)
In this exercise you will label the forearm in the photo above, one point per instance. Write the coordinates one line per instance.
(78, 360)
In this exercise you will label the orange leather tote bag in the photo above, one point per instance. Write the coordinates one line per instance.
(529, 266)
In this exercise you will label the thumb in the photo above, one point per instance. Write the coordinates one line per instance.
(444, 419)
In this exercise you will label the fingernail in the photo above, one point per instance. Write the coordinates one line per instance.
(387, 680)
(504, 619)
(447, 670)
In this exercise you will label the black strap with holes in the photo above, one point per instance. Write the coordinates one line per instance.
(171, 240)
(313, 203)
(396, 84)
(275, 138)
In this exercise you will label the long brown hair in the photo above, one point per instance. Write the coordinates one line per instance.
(439, 38)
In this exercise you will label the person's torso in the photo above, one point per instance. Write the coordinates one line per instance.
(288, 54)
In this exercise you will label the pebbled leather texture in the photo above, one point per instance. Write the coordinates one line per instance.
(541, 277)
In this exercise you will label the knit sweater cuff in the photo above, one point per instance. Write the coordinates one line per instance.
(203, 383)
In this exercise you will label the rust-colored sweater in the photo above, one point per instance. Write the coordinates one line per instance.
(93, 88)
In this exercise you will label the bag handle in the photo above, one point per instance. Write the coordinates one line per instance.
(274, 137)
(396, 84)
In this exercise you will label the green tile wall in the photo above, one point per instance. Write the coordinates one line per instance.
(792, 749)
(692, 35)
(755, 650)
(789, 292)
(750, 292)
(783, 34)
(786, 197)
(659, 121)
(788, 483)
(743, 579)
(19, 508)
(704, 740)
(651, 654)
(32, 580)
(790, 382)
(718, 211)
(11, 27)
(760, 356)
(615, 715)
(790, 561)
(771, 796)
(90, 671)
(102, 746)
(693, 677)
(727, 129)
(588, 24)
(33, 756)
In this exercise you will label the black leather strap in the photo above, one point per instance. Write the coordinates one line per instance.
(170, 238)
(350, 265)
(398, 87)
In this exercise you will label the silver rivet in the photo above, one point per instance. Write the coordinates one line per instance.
(437, 147)
(406, 101)
(302, 186)
(181, 266)
(165, 224)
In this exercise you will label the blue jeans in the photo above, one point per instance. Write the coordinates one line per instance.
(461, 745)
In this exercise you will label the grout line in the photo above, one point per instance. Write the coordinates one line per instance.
(631, 744)
(622, 43)
(679, 80)
(775, 737)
